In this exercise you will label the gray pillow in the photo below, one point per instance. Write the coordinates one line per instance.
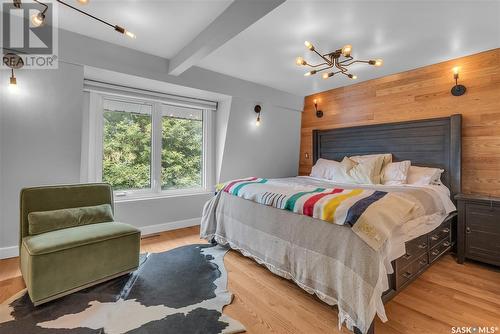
(46, 221)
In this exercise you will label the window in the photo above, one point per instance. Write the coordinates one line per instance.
(148, 147)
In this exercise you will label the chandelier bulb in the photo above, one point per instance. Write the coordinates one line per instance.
(37, 19)
(346, 50)
(379, 62)
(309, 45)
(327, 75)
(300, 61)
(83, 2)
(310, 73)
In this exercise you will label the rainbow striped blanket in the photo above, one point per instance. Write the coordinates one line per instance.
(372, 214)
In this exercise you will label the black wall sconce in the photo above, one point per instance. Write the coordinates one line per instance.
(319, 113)
(257, 109)
(457, 90)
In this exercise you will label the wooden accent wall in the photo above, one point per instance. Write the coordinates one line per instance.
(418, 94)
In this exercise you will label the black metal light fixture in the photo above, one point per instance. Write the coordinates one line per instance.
(38, 19)
(319, 113)
(457, 90)
(257, 109)
(334, 59)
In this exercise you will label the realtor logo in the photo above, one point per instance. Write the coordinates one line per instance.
(29, 29)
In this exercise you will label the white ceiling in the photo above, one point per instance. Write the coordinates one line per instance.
(406, 34)
(163, 28)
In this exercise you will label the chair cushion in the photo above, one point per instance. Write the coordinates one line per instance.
(46, 221)
(72, 237)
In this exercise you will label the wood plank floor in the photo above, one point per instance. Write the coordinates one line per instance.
(446, 295)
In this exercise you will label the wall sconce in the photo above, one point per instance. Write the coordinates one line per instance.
(319, 113)
(457, 90)
(257, 109)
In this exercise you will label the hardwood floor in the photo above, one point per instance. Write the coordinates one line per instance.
(446, 295)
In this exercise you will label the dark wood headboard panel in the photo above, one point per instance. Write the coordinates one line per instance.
(431, 143)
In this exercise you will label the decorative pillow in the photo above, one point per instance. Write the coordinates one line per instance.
(395, 173)
(423, 175)
(387, 158)
(367, 170)
(46, 221)
(384, 160)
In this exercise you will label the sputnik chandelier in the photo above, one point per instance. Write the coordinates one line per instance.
(339, 60)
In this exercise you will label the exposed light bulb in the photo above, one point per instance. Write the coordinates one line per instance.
(379, 62)
(310, 73)
(37, 19)
(309, 45)
(346, 50)
(130, 34)
(456, 70)
(257, 122)
(300, 61)
(352, 76)
(327, 75)
(83, 2)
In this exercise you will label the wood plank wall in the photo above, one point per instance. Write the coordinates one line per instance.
(418, 94)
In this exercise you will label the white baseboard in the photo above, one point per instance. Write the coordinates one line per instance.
(7, 252)
(13, 251)
(151, 229)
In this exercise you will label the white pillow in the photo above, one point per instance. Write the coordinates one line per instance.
(331, 169)
(423, 175)
(395, 173)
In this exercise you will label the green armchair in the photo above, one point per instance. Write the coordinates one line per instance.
(69, 241)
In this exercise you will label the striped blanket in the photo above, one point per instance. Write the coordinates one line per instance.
(372, 214)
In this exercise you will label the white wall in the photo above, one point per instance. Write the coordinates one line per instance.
(41, 136)
(270, 150)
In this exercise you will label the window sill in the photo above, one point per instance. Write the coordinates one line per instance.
(150, 196)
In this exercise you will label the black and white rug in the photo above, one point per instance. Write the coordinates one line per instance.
(181, 291)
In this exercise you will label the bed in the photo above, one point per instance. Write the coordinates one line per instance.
(333, 261)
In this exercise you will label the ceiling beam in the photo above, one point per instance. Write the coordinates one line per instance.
(240, 15)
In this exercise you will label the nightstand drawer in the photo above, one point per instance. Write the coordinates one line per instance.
(482, 233)
(439, 234)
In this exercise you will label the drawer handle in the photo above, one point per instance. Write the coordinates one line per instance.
(435, 252)
(445, 230)
(446, 244)
(407, 274)
(407, 256)
(467, 230)
(434, 237)
(422, 262)
(421, 246)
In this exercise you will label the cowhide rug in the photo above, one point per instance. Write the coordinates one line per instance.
(179, 291)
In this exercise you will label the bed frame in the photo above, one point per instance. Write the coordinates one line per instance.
(432, 142)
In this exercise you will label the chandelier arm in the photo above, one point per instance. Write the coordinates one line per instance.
(322, 56)
(318, 65)
(322, 69)
(85, 13)
(346, 60)
(357, 61)
(41, 3)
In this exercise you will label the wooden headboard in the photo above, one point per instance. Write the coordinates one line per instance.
(432, 142)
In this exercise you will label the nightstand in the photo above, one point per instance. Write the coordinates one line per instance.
(478, 231)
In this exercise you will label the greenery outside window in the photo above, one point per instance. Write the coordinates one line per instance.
(146, 147)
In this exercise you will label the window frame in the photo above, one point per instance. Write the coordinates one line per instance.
(95, 132)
